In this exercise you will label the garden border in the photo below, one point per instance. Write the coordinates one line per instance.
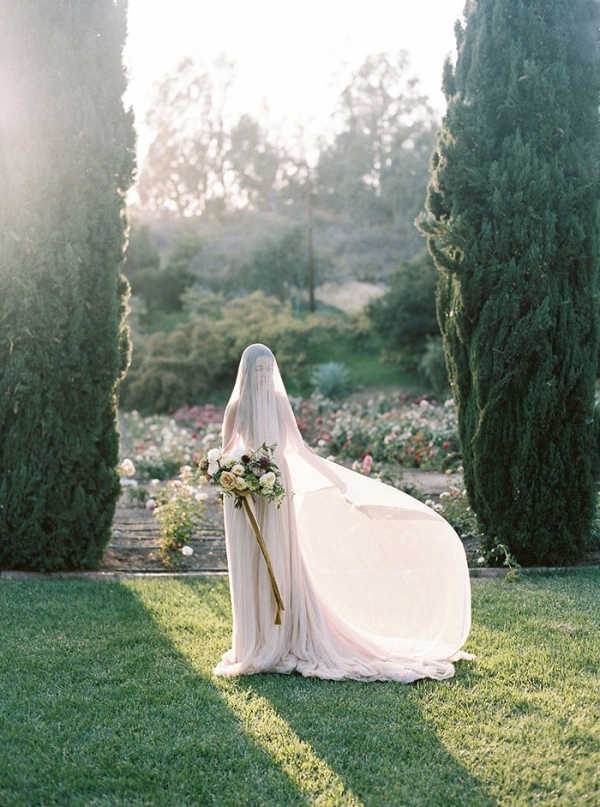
(115, 575)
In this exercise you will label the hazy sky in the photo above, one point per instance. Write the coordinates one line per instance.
(292, 55)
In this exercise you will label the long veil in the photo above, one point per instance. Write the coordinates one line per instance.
(376, 584)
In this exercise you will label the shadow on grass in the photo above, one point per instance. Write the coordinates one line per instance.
(106, 698)
(373, 736)
(98, 707)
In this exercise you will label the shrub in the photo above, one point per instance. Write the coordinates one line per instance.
(180, 513)
(513, 226)
(433, 365)
(331, 380)
(197, 362)
(405, 317)
(66, 162)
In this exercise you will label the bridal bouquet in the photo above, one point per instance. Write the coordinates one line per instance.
(241, 473)
(245, 474)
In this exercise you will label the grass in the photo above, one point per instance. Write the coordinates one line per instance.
(367, 368)
(107, 699)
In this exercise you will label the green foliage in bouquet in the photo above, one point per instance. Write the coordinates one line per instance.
(243, 472)
(66, 161)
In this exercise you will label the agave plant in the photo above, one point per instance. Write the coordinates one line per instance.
(332, 380)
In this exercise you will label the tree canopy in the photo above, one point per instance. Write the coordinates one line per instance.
(66, 162)
(512, 225)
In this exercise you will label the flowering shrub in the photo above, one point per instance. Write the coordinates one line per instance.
(179, 508)
(198, 418)
(454, 506)
(162, 445)
(413, 434)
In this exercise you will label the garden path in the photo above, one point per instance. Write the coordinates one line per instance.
(136, 538)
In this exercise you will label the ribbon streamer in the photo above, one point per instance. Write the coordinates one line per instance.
(265, 553)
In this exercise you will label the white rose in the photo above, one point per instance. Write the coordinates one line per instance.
(268, 480)
(214, 455)
(241, 484)
(127, 468)
(238, 470)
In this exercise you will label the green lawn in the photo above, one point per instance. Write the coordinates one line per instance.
(107, 698)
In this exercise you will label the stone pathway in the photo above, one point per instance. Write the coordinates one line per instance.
(133, 549)
(136, 538)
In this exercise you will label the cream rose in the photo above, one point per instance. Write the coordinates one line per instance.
(268, 480)
(127, 468)
(228, 480)
(238, 470)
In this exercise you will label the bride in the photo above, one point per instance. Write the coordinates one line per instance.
(375, 584)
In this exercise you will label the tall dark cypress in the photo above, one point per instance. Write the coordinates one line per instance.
(512, 225)
(66, 161)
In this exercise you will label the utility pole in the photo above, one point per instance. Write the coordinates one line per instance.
(310, 261)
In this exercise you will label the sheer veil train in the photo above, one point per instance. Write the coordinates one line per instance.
(375, 584)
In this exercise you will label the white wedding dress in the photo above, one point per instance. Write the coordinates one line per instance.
(375, 584)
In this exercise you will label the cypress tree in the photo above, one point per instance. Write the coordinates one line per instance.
(512, 225)
(66, 161)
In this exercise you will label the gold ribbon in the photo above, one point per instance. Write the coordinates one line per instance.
(265, 553)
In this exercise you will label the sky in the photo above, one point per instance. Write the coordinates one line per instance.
(292, 56)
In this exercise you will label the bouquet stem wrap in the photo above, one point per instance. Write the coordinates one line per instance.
(263, 548)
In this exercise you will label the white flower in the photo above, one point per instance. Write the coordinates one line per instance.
(240, 484)
(127, 468)
(238, 470)
(438, 508)
(429, 502)
(151, 504)
(213, 468)
(480, 561)
(268, 480)
(214, 455)
(444, 495)
(128, 483)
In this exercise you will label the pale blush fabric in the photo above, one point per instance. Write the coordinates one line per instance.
(375, 584)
